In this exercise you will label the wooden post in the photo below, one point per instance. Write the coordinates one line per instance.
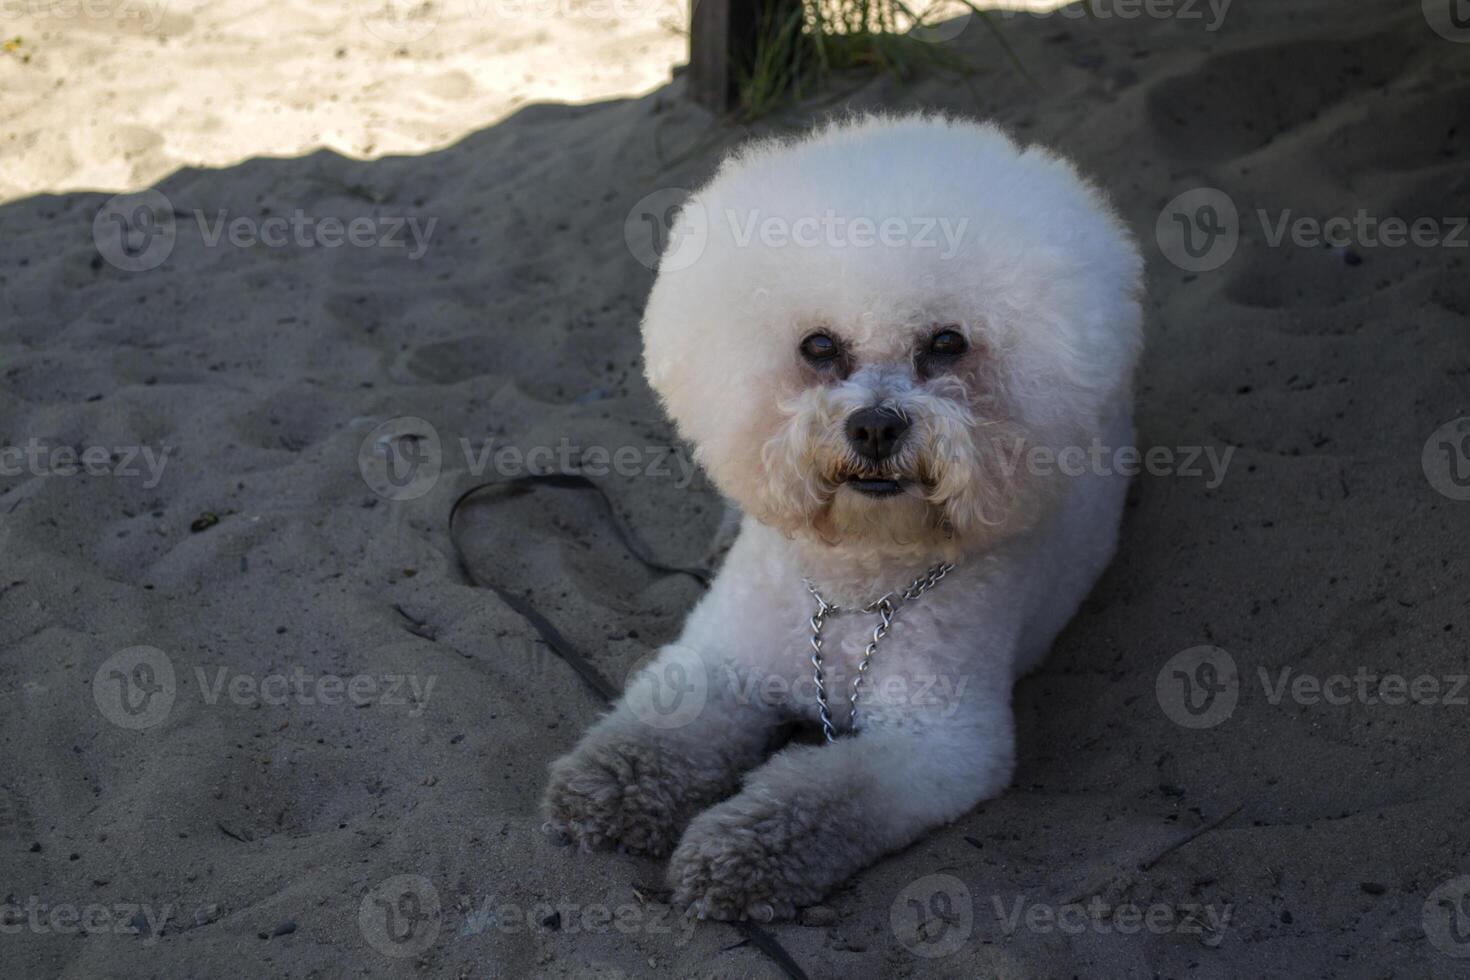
(722, 37)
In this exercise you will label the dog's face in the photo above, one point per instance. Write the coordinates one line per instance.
(885, 390)
(899, 432)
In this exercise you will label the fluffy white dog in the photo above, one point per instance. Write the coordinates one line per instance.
(877, 338)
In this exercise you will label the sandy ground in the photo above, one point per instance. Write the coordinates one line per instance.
(254, 722)
(149, 86)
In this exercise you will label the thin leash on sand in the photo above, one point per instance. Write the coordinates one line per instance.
(553, 637)
(563, 648)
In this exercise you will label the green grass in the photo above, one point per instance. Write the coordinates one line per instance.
(800, 45)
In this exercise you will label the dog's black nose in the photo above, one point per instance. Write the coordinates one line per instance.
(875, 432)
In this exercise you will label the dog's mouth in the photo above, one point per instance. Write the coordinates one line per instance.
(871, 486)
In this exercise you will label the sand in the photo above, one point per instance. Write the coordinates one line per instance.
(252, 711)
(149, 86)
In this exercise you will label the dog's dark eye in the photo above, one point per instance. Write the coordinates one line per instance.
(947, 343)
(819, 347)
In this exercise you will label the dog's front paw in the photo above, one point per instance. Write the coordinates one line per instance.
(744, 859)
(615, 792)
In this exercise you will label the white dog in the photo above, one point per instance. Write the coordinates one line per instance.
(892, 329)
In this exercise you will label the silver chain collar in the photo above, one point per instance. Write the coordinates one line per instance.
(884, 606)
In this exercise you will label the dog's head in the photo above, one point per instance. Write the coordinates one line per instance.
(865, 333)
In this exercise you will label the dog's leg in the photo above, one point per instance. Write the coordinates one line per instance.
(677, 741)
(814, 815)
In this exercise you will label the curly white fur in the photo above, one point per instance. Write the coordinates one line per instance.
(1043, 285)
